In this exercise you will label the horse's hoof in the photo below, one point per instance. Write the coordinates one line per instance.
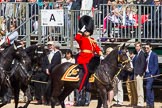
(86, 104)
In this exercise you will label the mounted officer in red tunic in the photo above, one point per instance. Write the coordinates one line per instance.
(87, 44)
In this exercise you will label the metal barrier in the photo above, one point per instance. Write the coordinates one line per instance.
(141, 22)
(144, 23)
(20, 12)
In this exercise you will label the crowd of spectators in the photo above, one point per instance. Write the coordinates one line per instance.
(124, 14)
(114, 13)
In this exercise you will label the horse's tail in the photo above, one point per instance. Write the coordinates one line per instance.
(48, 92)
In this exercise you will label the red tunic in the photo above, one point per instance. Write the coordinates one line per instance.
(86, 44)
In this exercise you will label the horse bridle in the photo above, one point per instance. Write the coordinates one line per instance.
(38, 51)
(123, 63)
(122, 67)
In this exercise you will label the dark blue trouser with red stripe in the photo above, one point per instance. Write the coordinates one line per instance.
(84, 79)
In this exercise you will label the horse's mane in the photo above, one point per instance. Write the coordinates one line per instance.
(93, 64)
(108, 68)
(30, 49)
(5, 52)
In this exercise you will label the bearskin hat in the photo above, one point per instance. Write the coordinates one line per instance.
(88, 22)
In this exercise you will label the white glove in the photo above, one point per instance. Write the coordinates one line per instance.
(83, 29)
(101, 57)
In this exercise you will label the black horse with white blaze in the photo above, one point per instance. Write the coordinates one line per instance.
(12, 52)
(22, 72)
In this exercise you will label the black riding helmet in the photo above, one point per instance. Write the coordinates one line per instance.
(88, 22)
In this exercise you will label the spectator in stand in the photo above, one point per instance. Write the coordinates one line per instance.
(20, 15)
(145, 6)
(2, 27)
(120, 15)
(86, 8)
(130, 84)
(76, 5)
(69, 58)
(139, 69)
(111, 19)
(12, 35)
(99, 3)
(68, 16)
(152, 29)
(2, 10)
(9, 9)
(33, 12)
(152, 69)
(129, 20)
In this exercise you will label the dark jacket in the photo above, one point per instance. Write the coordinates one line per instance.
(96, 3)
(56, 59)
(153, 65)
(76, 5)
(156, 15)
(140, 64)
(33, 10)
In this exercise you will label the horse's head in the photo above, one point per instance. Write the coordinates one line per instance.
(36, 53)
(124, 59)
(18, 49)
(40, 50)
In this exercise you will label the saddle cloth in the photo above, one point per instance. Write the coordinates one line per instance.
(72, 74)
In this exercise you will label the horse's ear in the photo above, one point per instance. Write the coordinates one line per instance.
(123, 46)
(14, 46)
(127, 45)
(39, 44)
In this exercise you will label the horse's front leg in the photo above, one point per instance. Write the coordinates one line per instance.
(99, 103)
(29, 97)
(6, 98)
(64, 94)
(4, 101)
(7, 94)
(53, 102)
(16, 96)
(103, 94)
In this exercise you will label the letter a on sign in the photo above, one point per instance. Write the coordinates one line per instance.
(52, 17)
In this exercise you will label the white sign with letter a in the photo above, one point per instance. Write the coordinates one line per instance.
(54, 17)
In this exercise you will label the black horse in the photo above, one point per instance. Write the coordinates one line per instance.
(6, 57)
(23, 70)
(104, 75)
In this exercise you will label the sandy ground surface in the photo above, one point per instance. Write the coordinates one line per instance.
(92, 105)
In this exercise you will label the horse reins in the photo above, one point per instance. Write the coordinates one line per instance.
(99, 79)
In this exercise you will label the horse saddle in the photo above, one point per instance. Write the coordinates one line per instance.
(73, 74)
